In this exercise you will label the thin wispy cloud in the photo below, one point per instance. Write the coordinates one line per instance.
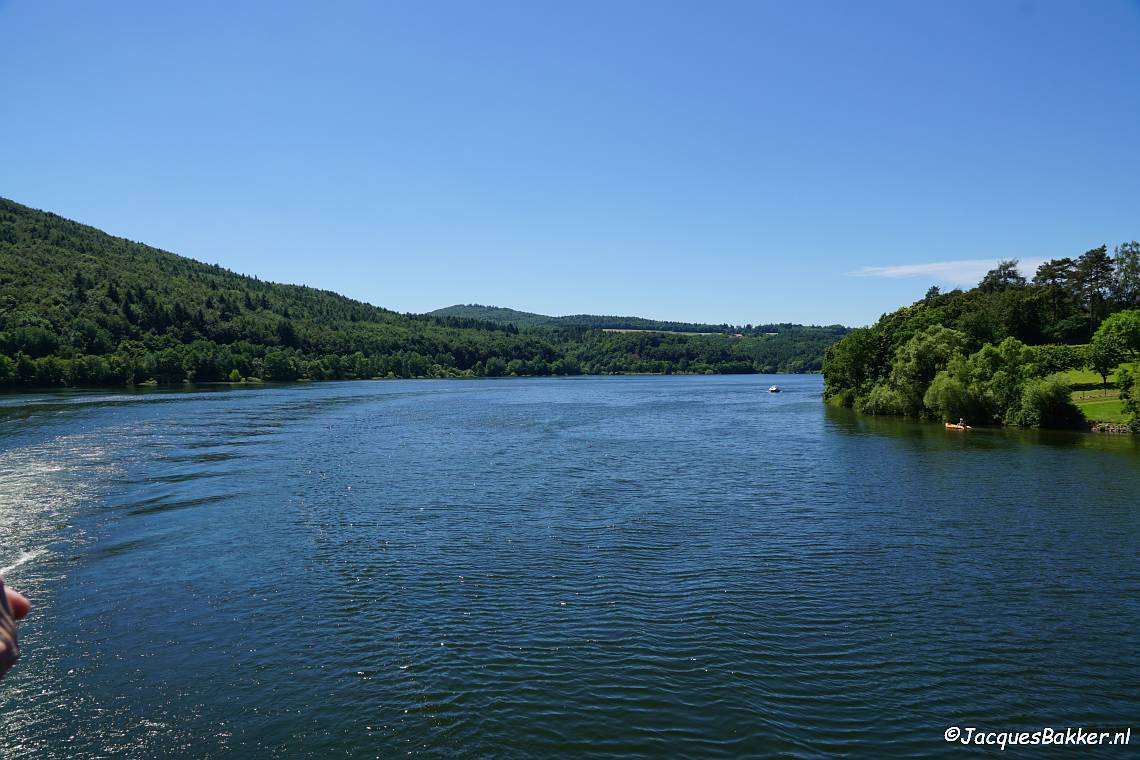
(964, 272)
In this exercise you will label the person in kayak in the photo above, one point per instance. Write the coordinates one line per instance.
(13, 607)
(962, 422)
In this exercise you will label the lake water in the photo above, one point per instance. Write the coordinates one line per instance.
(654, 566)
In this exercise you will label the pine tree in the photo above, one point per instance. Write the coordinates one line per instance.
(1095, 278)
(1127, 286)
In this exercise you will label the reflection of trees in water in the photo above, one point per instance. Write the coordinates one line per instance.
(934, 435)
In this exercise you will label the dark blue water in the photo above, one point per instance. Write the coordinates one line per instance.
(665, 566)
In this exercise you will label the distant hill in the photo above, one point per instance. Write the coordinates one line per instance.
(496, 315)
(79, 307)
(526, 319)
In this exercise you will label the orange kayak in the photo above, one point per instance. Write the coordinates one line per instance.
(956, 426)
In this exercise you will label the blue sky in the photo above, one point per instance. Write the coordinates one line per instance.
(758, 161)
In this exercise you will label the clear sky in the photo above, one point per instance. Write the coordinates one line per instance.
(757, 161)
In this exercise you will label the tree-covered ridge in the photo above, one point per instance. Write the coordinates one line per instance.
(524, 319)
(80, 307)
(993, 354)
(496, 315)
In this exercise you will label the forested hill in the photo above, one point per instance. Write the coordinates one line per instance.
(80, 307)
(521, 319)
(997, 353)
(496, 315)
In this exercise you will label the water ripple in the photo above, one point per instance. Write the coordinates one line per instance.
(591, 567)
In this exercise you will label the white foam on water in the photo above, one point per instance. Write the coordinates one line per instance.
(24, 559)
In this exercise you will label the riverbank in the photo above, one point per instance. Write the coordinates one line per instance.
(1099, 402)
(256, 382)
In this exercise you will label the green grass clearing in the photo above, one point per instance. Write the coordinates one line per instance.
(1098, 403)
(1087, 379)
(1102, 409)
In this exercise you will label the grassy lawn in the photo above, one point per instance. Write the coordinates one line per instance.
(1102, 409)
(1086, 379)
(1090, 396)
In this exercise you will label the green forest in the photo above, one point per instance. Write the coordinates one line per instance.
(1004, 352)
(523, 319)
(79, 307)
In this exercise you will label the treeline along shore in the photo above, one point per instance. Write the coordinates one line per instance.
(1010, 351)
(79, 307)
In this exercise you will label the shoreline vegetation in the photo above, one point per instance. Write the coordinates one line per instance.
(81, 308)
(1007, 352)
(259, 382)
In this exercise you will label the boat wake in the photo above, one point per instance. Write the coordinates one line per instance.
(24, 558)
